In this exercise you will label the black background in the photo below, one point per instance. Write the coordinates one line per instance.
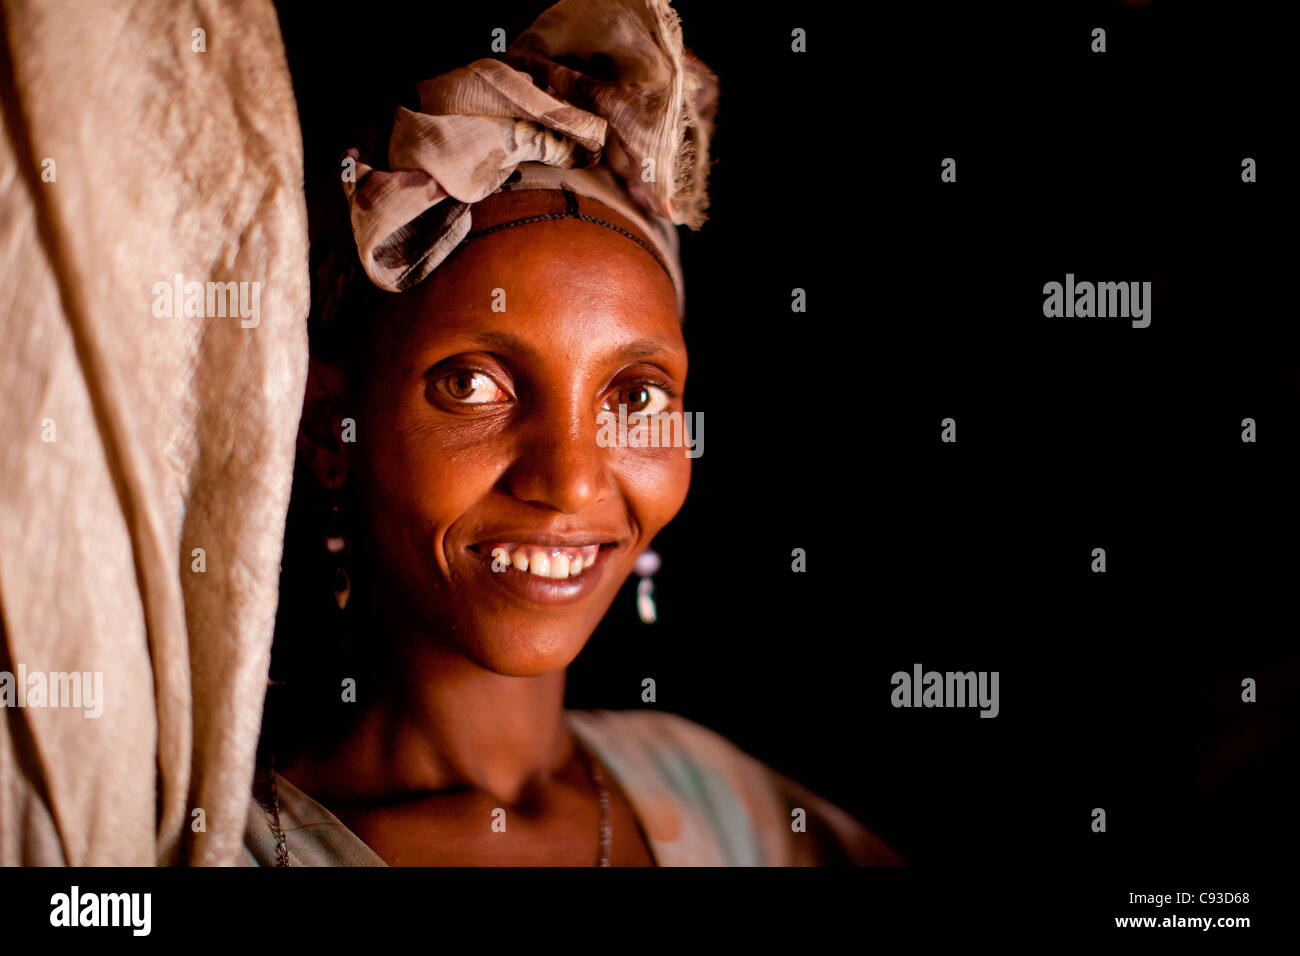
(1120, 690)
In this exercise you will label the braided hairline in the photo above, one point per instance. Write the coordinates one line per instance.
(571, 212)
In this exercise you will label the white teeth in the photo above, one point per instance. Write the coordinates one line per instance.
(554, 563)
(559, 565)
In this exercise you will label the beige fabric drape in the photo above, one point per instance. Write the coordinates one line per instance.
(169, 433)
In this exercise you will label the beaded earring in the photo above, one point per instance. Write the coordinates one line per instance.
(336, 544)
(647, 564)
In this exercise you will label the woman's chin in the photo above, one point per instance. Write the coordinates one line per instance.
(528, 648)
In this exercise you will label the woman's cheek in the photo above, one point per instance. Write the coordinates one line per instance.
(441, 483)
(656, 481)
(422, 478)
(434, 453)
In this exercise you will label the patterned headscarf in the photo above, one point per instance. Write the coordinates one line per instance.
(597, 97)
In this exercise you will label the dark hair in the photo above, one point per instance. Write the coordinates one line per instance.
(317, 645)
(343, 299)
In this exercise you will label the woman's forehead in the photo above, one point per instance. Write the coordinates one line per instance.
(561, 281)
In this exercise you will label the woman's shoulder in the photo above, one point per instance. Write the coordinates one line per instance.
(702, 800)
(285, 827)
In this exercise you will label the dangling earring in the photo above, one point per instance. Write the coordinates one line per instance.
(336, 544)
(647, 563)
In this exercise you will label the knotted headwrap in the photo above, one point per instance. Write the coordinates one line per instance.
(598, 97)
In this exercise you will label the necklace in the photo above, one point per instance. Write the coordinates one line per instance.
(597, 778)
(588, 759)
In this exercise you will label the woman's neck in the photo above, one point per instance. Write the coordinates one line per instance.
(440, 722)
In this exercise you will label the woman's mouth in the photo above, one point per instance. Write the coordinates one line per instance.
(543, 561)
(543, 573)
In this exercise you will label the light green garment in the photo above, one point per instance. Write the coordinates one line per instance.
(700, 801)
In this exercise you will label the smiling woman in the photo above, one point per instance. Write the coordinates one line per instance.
(510, 281)
(478, 431)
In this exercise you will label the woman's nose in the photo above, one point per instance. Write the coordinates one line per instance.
(560, 463)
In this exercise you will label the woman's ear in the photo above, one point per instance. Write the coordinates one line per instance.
(323, 435)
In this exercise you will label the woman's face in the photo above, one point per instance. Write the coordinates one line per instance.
(478, 430)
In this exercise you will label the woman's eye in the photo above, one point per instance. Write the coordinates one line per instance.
(641, 399)
(469, 387)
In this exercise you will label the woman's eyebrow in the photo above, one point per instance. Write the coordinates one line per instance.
(508, 342)
(644, 348)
